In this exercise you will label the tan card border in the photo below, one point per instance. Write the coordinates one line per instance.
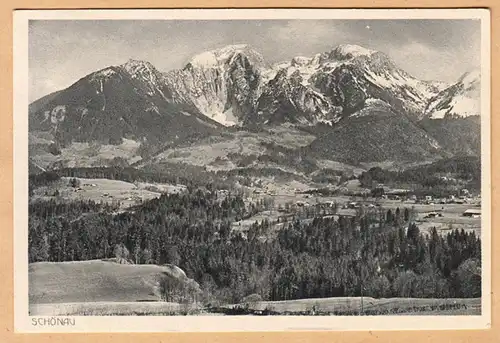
(6, 179)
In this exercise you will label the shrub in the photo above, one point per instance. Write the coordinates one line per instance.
(121, 253)
(252, 299)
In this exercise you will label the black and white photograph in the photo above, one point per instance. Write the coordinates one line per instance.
(248, 166)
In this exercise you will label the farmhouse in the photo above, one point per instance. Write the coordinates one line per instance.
(433, 215)
(473, 212)
(353, 205)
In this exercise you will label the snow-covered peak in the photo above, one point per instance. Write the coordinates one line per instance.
(229, 50)
(217, 57)
(103, 74)
(134, 67)
(204, 59)
(147, 74)
(318, 58)
(347, 51)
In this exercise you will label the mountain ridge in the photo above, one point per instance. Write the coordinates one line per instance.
(207, 79)
(352, 90)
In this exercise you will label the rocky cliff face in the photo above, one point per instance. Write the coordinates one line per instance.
(222, 84)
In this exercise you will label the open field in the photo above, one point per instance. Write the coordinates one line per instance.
(320, 306)
(108, 308)
(92, 281)
(206, 151)
(352, 305)
(80, 154)
(106, 190)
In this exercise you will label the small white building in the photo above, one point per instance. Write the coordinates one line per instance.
(473, 213)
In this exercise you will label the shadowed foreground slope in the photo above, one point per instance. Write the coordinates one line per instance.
(97, 281)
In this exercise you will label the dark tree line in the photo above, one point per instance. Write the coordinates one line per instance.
(128, 174)
(466, 168)
(377, 254)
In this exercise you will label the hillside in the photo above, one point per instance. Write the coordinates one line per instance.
(381, 136)
(126, 101)
(97, 281)
(459, 136)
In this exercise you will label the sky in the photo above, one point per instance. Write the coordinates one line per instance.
(63, 51)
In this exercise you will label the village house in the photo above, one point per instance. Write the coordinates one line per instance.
(433, 215)
(473, 213)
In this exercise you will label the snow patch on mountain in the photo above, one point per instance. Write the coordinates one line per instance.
(461, 106)
(226, 118)
(218, 57)
(205, 60)
(103, 74)
(56, 115)
(461, 99)
(270, 73)
(346, 51)
(153, 108)
(371, 105)
(305, 72)
(138, 68)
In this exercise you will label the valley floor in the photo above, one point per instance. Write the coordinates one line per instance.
(128, 194)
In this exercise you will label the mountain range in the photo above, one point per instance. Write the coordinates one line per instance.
(357, 104)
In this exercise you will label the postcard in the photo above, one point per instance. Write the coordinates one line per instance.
(252, 170)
